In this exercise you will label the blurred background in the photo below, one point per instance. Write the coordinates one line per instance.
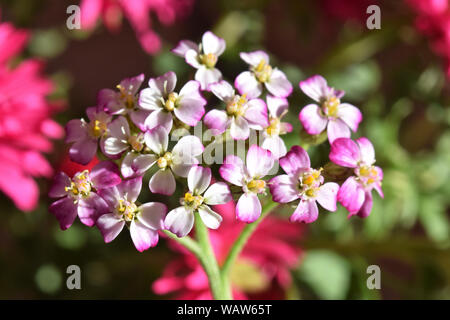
(397, 75)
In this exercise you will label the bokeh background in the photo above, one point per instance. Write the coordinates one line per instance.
(396, 75)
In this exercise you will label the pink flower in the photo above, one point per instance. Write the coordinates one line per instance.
(262, 270)
(138, 13)
(25, 121)
(78, 196)
(201, 194)
(85, 135)
(124, 101)
(337, 117)
(355, 193)
(203, 57)
(119, 138)
(258, 164)
(240, 116)
(188, 105)
(304, 183)
(261, 74)
(278, 107)
(178, 161)
(144, 221)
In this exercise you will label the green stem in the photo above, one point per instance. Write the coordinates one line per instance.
(209, 262)
(240, 243)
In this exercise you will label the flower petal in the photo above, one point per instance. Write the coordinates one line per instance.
(366, 207)
(337, 129)
(259, 161)
(130, 188)
(163, 182)
(351, 196)
(65, 210)
(152, 215)
(150, 100)
(59, 184)
(275, 145)
(367, 150)
(179, 221)
(306, 212)
(297, 158)
(216, 120)
(199, 179)
(210, 218)
(143, 237)
(183, 46)
(105, 174)
(191, 57)
(284, 188)
(89, 209)
(163, 85)
(248, 208)
(277, 106)
(76, 130)
(207, 76)
(191, 104)
(239, 129)
(233, 170)
(212, 44)
(112, 146)
(159, 118)
(246, 83)
(136, 164)
(327, 194)
(315, 87)
(350, 115)
(83, 151)
(110, 226)
(187, 147)
(157, 139)
(255, 57)
(345, 152)
(278, 84)
(312, 119)
(256, 114)
(217, 193)
(222, 90)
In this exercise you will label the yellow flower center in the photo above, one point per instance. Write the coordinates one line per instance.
(274, 128)
(367, 174)
(136, 142)
(165, 161)
(98, 128)
(192, 201)
(256, 186)
(80, 184)
(127, 209)
(126, 97)
(171, 101)
(209, 60)
(263, 71)
(330, 106)
(310, 182)
(237, 106)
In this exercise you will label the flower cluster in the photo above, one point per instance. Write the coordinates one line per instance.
(25, 121)
(148, 134)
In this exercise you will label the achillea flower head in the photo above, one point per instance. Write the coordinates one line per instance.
(203, 57)
(249, 177)
(260, 75)
(25, 122)
(79, 195)
(305, 184)
(330, 114)
(241, 114)
(198, 199)
(355, 193)
(143, 220)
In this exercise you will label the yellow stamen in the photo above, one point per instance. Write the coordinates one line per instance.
(192, 201)
(263, 71)
(330, 106)
(237, 106)
(256, 186)
(171, 102)
(136, 142)
(165, 161)
(209, 60)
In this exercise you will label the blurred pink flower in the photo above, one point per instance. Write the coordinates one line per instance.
(137, 12)
(262, 271)
(433, 21)
(25, 124)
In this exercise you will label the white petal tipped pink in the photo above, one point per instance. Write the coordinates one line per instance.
(181, 220)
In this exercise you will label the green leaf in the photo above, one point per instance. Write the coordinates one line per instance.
(327, 273)
(433, 218)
